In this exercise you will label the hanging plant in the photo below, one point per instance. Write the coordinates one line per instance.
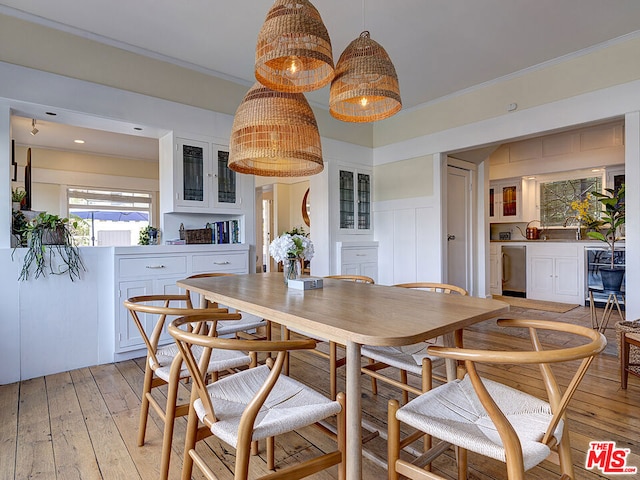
(50, 248)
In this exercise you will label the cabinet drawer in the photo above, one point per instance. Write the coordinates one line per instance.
(359, 255)
(153, 266)
(221, 262)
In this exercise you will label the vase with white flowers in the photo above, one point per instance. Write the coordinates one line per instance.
(292, 249)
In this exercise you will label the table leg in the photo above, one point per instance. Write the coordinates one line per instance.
(450, 364)
(354, 413)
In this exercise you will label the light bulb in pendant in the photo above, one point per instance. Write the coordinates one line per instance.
(364, 101)
(292, 66)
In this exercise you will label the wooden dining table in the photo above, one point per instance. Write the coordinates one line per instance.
(350, 314)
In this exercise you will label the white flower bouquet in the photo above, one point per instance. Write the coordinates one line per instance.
(291, 246)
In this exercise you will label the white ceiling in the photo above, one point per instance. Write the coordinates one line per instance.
(438, 47)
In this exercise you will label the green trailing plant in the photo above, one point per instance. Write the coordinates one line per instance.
(19, 227)
(50, 248)
(145, 235)
(612, 217)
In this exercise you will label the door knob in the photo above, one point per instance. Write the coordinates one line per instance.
(450, 237)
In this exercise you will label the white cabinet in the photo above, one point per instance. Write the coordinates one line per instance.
(354, 200)
(195, 177)
(555, 272)
(495, 269)
(505, 201)
(155, 270)
(358, 258)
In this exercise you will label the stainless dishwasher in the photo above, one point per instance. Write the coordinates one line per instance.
(514, 271)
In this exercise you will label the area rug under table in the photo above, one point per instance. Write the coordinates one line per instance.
(537, 304)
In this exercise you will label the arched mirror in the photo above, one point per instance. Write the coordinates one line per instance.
(306, 208)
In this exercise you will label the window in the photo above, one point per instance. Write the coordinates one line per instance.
(110, 218)
(556, 198)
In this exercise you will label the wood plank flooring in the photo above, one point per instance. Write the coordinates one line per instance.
(83, 424)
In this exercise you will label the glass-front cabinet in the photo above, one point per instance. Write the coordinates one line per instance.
(354, 200)
(505, 201)
(195, 157)
(203, 178)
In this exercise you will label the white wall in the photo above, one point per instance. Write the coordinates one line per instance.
(53, 324)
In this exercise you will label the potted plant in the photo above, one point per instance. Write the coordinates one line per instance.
(148, 236)
(18, 194)
(612, 217)
(50, 247)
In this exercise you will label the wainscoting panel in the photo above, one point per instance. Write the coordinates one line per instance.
(408, 234)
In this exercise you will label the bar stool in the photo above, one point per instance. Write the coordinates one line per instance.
(612, 301)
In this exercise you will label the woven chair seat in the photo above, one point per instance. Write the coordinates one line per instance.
(248, 322)
(453, 413)
(289, 406)
(408, 357)
(220, 360)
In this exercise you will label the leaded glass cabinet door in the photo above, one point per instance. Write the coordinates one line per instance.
(364, 201)
(227, 185)
(347, 200)
(354, 201)
(193, 183)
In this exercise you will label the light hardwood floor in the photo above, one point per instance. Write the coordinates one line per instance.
(82, 424)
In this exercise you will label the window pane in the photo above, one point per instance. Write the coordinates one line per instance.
(556, 198)
(108, 218)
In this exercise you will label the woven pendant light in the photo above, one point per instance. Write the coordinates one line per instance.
(365, 87)
(275, 134)
(293, 52)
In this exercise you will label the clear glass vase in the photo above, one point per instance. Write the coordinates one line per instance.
(291, 267)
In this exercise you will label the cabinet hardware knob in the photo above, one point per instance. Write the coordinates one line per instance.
(154, 266)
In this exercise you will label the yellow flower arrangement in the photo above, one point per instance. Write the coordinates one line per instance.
(582, 210)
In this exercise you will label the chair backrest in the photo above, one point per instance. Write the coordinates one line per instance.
(434, 287)
(353, 278)
(186, 339)
(537, 355)
(164, 306)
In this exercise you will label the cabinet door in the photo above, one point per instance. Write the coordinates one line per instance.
(505, 202)
(364, 201)
(128, 336)
(193, 174)
(350, 269)
(495, 279)
(354, 190)
(567, 277)
(541, 278)
(167, 286)
(347, 199)
(510, 202)
(226, 194)
(370, 270)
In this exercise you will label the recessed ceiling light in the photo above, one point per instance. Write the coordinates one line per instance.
(137, 128)
(53, 114)
(78, 141)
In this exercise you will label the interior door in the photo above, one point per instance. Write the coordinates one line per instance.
(458, 226)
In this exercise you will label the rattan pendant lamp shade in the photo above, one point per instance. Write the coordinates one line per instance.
(293, 51)
(275, 134)
(365, 87)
